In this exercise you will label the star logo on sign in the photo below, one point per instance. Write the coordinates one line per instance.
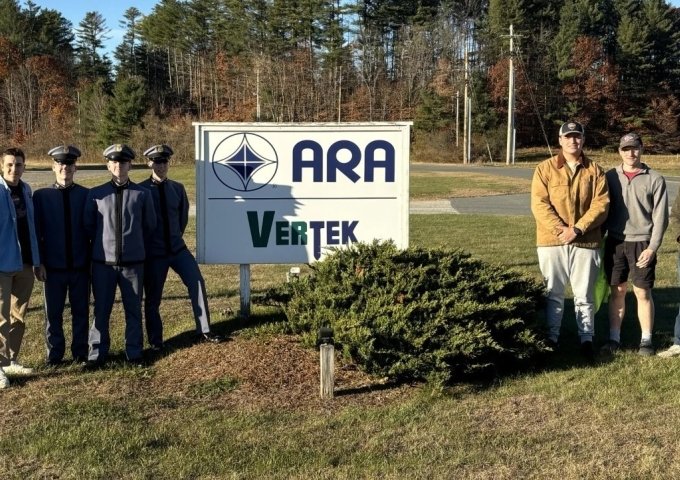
(245, 162)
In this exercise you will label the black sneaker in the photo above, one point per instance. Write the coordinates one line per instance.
(610, 348)
(209, 337)
(646, 349)
(588, 351)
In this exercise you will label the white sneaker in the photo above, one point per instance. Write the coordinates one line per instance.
(673, 351)
(15, 368)
(4, 381)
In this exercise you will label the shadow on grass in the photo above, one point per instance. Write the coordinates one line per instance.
(569, 354)
(224, 328)
(376, 387)
(568, 357)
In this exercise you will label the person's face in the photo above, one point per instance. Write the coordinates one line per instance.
(571, 143)
(631, 155)
(160, 169)
(12, 169)
(119, 170)
(64, 173)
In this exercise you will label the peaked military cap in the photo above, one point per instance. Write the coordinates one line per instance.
(66, 154)
(119, 152)
(159, 153)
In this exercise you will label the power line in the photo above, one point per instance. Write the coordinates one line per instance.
(533, 100)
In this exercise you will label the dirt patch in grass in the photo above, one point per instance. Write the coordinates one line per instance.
(244, 374)
(272, 373)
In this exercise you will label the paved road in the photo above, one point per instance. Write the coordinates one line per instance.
(43, 178)
(517, 204)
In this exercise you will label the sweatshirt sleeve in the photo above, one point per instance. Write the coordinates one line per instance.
(659, 213)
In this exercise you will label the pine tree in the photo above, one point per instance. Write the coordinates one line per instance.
(593, 18)
(11, 22)
(129, 53)
(90, 37)
(45, 32)
(124, 110)
(431, 115)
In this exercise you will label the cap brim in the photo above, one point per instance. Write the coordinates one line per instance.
(66, 160)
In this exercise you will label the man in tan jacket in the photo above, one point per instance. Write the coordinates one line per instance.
(569, 200)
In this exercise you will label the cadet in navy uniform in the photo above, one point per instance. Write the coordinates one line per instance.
(119, 219)
(168, 250)
(64, 252)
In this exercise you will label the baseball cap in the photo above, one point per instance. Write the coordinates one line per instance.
(571, 127)
(630, 140)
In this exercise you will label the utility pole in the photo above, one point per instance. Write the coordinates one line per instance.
(469, 124)
(466, 113)
(510, 144)
(457, 108)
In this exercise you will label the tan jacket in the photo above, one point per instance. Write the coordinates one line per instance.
(558, 199)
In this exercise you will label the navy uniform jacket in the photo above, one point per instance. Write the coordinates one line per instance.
(167, 239)
(119, 220)
(62, 240)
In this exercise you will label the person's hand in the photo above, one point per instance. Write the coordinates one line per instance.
(566, 235)
(40, 273)
(645, 258)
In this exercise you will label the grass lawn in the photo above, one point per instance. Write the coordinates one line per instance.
(249, 408)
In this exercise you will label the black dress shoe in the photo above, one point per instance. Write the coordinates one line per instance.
(136, 362)
(55, 363)
(209, 337)
(93, 364)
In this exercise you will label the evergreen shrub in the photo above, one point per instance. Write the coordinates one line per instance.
(417, 314)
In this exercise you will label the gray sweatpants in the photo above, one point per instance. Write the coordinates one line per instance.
(579, 267)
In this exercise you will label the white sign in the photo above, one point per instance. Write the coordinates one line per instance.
(284, 193)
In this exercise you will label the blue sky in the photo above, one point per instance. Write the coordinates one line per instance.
(111, 10)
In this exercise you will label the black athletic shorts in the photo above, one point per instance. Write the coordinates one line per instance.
(619, 262)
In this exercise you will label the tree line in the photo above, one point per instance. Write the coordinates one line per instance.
(614, 65)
